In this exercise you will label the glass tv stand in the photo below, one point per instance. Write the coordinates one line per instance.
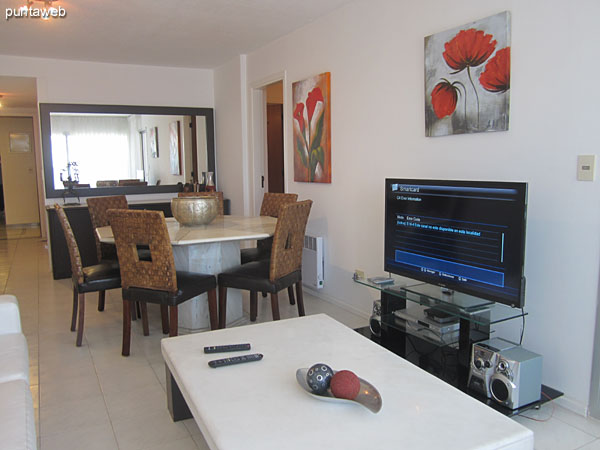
(446, 357)
(408, 308)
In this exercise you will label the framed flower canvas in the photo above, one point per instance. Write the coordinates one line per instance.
(175, 147)
(312, 129)
(153, 136)
(467, 78)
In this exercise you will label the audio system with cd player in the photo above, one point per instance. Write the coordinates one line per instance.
(506, 372)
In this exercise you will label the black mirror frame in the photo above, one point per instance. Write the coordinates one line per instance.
(47, 108)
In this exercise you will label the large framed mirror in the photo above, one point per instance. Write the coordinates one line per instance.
(94, 150)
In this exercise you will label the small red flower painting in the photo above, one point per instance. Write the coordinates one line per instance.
(312, 130)
(468, 66)
(444, 98)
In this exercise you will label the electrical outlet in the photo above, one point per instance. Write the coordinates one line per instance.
(586, 165)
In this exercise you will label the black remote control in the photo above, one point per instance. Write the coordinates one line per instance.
(235, 360)
(226, 348)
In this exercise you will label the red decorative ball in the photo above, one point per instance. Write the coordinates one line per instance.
(345, 384)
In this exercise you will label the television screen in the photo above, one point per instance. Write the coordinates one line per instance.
(468, 236)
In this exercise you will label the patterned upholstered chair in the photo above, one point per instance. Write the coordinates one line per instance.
(217, 194)
(271, 204)
(283, 270)
(154, 281)
(96, 278)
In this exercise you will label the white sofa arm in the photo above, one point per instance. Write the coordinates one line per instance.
(10, 319)
(17, 419)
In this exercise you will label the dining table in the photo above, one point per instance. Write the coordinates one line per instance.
(209, 249)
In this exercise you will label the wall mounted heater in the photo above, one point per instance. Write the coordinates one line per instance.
(313, 262)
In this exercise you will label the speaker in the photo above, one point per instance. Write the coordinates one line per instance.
(506, 373)
(484, 359)
(375, 320)
(517, 378)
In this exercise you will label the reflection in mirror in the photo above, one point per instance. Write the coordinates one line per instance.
(103, 150)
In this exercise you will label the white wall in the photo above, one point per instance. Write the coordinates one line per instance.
(230, 133)
(374, 51)
(62, 81)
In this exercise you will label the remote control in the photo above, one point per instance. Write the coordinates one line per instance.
(235, 360)
(226, 348)
(381, 280)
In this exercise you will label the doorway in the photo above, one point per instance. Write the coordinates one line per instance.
(274, 156)
(20, 214)
(268, 162)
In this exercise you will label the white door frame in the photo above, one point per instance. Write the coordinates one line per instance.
(258, 136)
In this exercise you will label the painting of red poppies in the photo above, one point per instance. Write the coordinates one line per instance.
(312, 129)
(467, 78)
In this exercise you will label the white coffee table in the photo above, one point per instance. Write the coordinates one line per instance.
(260, 405)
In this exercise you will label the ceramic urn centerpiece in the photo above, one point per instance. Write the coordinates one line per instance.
(193, 211)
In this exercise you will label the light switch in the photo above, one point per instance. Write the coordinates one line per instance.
(586, 167)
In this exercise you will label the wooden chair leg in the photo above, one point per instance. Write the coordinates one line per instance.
(275, 306)
(81, 301)
(253, 306)
(126, 328)
(164, 315)
(213, 313)
(222, 306)
(173, 318)
(300, 297)
(101, 298)
(291, 295)
(144, 307)
(74, 315)
(135, 310)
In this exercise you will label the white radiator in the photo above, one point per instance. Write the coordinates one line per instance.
(313, 262)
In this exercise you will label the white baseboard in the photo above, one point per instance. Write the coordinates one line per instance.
(573, 405)
(337, 302)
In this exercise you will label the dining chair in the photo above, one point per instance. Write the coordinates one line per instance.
(271, 204)
(281, 271)
(217, 194)
(96, 278)
(98, 207)
(154, 281)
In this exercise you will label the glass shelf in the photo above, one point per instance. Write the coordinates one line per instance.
(473, 309)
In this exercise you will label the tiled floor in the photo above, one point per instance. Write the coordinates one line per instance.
(17, 232)
(90, 397)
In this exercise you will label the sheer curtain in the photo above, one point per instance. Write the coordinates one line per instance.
(98, 144)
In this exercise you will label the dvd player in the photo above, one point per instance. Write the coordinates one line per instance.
(417, 323)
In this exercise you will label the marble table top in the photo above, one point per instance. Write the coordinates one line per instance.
(222, 229)
(260, 405)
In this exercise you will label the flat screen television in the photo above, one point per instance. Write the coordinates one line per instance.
(466, 236)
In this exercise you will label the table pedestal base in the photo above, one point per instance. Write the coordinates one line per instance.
(211, 258)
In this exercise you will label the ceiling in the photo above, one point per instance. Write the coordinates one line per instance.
(176, 33)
